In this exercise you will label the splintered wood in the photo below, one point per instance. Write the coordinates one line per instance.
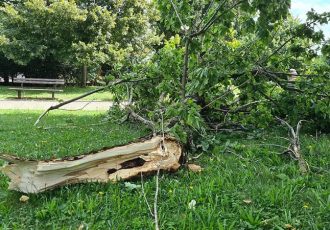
(117, 163)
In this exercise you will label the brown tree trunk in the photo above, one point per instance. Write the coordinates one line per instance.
(84, 76)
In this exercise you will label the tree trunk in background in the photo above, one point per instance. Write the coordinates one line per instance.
(6, 79)
(84, 76)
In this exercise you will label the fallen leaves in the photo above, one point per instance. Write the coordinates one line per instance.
(192, 204)
(247, 201)
(24, 199)
(289, 226)
(131, 186)
(194, 168)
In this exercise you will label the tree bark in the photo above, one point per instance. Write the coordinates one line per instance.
(84, 76)
(6, 79)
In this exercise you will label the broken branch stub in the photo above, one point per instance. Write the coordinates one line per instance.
(294, 147)
(117, 163)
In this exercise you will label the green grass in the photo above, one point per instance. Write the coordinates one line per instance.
(68, 93)
(241, 168)
(61, 133)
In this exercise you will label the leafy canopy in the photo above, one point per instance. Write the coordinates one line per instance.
(75, 33)
(225, 64)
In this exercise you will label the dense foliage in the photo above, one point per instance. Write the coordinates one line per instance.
(225, 65)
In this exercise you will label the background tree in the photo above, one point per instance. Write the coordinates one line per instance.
(70, 35)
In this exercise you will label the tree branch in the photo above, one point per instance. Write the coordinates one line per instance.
(282, 84)
(204, 12)
(225, 93)
(136, 116)
(240, 108)
(185, 69)
(111, 84)
(275, 51)
(177, 14)
(210, 21)
(214, 17)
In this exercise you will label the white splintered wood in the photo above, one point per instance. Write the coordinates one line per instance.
(118, 163)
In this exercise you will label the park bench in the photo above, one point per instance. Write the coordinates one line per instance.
(37, 81)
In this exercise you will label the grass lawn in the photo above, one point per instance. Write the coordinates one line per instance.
(244, 184)
(68, 93)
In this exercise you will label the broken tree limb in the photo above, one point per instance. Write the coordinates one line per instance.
(294, 147)
(117, 163)
(137, 117)
(134, 115)
(108, 86)
(53, 107)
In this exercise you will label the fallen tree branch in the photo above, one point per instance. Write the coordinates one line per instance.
(284, 84)
(117, 163)
(111, 84)
(53, 107)
(241, 107)
(289, 74)
(145, 197)
(136, 116)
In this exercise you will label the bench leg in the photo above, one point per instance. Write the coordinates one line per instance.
(53, 95)
(19, 94)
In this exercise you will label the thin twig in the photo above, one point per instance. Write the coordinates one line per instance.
(145, 121)
(196, 157)
(210, 21)
(205, 11)
(156, 200)
(145, 197)
(214, 17)
(177, 14)
(53, 107)
(288, 125)
(155, 211)
(81, 108)
(282, 146)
